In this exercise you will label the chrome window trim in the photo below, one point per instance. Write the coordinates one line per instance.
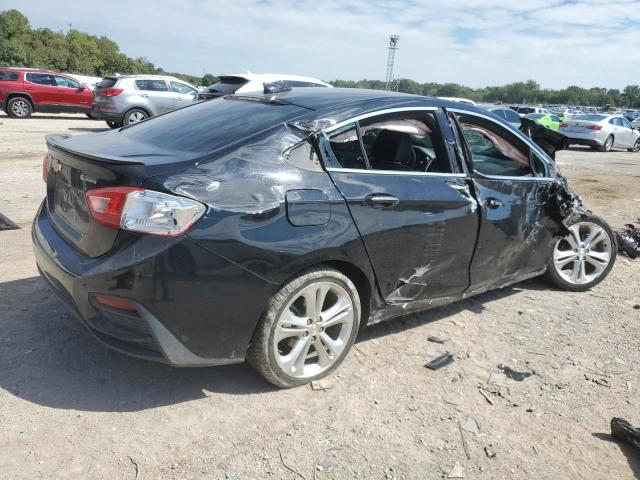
(396, 172)
(377, 113)
(518, 133)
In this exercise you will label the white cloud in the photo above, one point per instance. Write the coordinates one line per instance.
(474, 42)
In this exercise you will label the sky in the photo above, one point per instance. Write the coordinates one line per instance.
(471, 42)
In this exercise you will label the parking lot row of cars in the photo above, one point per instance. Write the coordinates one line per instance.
(123, 99)
(126, 99)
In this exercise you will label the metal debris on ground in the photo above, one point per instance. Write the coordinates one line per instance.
(628, 240)
(486, 396)
(624, 431)
(513, 374)
(321, 385)
(437, 339)
(603, 382)
(439, 362)
(6, 224)
(488, 450)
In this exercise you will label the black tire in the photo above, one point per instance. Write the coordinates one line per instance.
(554, 277)
(131, 115)
(594, 147)
(636, 147)
(608, 144)
(19, 107)
(114, 124)
(261, 356)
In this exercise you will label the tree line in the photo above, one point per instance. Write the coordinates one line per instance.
(84, 54)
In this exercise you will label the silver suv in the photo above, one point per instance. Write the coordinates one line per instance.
(126, 99)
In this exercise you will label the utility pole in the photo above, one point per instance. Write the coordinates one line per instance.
(393, 46)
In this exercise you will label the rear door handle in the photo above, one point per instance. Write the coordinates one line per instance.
(177, 98)
(381, 200)
(145, 95)
(493, 203)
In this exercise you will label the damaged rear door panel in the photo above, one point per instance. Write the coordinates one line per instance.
(412, 207)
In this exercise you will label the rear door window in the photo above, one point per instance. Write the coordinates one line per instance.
(152, 85)
(40, 78)
(405, 142)
(8, 76)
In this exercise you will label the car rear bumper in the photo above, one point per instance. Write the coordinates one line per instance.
(191, 305)
(591, 139)
(100, 113)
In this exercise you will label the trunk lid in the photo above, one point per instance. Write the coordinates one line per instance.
(72, 172)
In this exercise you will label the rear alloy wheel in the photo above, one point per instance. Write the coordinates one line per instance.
(135, 116)
(114, 124)
(608, 143)
(636, 147)
(583, 258)
(307, 329)
(19, 107)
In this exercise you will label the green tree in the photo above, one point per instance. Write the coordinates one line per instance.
(208, 79)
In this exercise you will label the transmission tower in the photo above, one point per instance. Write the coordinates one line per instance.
(393, 46)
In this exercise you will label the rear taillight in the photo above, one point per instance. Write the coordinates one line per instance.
(115, 302)
(594, 127)
(564, 125)
(145, 211)
(111, 92)
(46, 165)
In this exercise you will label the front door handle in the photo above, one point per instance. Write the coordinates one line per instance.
(177, 98)
(493, 203)
(381, 200)
(145, 95)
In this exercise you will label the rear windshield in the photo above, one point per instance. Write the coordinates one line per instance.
(589, 118)
(209, 126)
(106, 83)
(228, 85)
(8, 76)
(526, 110)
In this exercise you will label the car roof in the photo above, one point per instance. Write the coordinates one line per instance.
(273, 77)
(347, 102)
(25, 69)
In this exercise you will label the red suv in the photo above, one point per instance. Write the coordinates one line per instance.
(24, 91)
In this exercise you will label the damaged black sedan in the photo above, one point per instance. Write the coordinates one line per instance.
(272, 228)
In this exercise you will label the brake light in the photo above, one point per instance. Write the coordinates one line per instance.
(594, 127)
(564, 125)
(115, 302)
(145, 211)
(46, 165)
(111, 92)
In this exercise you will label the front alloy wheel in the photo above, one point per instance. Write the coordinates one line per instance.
(307, 330)
(636, 147)
(583, 258)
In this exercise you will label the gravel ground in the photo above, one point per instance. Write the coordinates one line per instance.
(70, 408)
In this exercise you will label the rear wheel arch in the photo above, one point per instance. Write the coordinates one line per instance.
(130, 109)
(26, 96)
(354, 273)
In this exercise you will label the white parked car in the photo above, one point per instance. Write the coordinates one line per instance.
(254, 82)
(522, 111)
(601, 132)
(458, 99)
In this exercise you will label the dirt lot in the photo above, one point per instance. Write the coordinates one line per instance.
(70, 408)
